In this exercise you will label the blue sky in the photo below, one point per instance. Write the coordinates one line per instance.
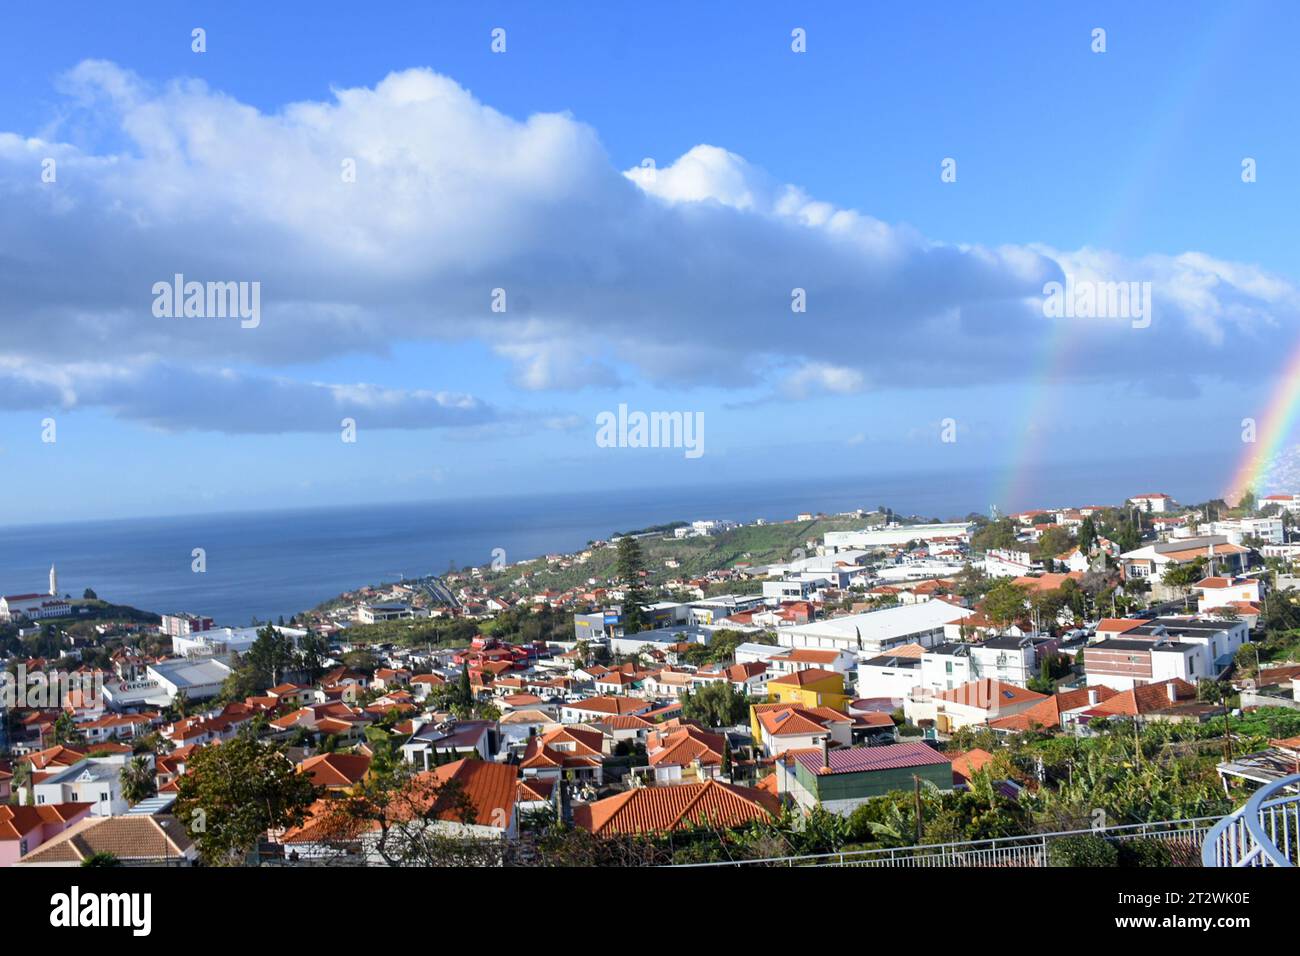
(671, 294)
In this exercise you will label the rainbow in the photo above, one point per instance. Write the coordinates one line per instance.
(1271, 431)
(1161, 144)
(1049, 371)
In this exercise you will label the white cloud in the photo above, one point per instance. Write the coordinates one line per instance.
(681, 275)
(223, 400)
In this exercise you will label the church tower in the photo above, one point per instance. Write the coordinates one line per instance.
(54, 581)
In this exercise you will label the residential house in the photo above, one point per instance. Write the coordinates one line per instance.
(811, 687)
(1172, 700)
(970, 704)
(577, 753)
(592, 709)
(133, 840)
(792, 659)
(1221, 592)
(778, 727)
(435, 741)
(842, 780)
(1060, 711)
(644, 810)
(95, 780)
(1187, 648)
(685, 754)
(749, 679)
(23, 829)
(465, 799)
(336, 771)
(892, 675)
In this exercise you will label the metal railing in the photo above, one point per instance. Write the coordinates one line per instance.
(1185, 836)
(1264, 832)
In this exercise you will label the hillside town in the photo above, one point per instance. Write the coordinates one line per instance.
(1114, 677)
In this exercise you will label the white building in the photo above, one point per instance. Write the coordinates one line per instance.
(221, 642)
(371, 613)
(198, 678)
(1008, 659)
(754, 653)
(918, 570)
(1154, 503)
(1008, 563)
(889, 675)
(1224, 592)
(32, 607)
(801, 588)
(1236, 530)
(96, 780)
(1289, 503)
(1188, 648)
(894, 535)
(1151, 562)
(875, 632)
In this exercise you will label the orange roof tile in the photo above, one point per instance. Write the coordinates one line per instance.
(659, 809)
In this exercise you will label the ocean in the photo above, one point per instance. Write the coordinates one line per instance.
(266, 564)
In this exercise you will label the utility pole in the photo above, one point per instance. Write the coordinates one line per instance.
(1227, 732)
(920, 813)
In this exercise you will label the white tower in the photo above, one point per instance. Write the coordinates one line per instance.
(54, 581)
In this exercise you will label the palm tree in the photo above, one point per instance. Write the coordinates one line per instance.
(138, 781)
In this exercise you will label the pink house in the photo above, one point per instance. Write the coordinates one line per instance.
(6, 785)
(23, 829)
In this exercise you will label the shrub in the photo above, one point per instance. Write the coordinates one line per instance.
(1144, 852)
(1082, 850)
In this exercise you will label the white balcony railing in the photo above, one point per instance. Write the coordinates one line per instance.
(1264, 832)
(1183, 837)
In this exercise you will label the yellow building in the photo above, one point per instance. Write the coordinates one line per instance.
(811, 687)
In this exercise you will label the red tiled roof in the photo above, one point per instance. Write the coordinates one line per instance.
(988, 694)
(1146, 699)
(966, 764)
(335, 770)
(466, 791)
(660, 809)
(16, 822)
(685, 746)
(609, 705)
(1047, 713)
(811, 675)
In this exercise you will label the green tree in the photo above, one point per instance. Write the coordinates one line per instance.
(138, 780)
(230, 795)
(65, 730)
(1005, 602)
(1087, 535)
(464, 690)
(1053, 542)
(716, 704)
(312, 651)
(630, 567)
(269, 657)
